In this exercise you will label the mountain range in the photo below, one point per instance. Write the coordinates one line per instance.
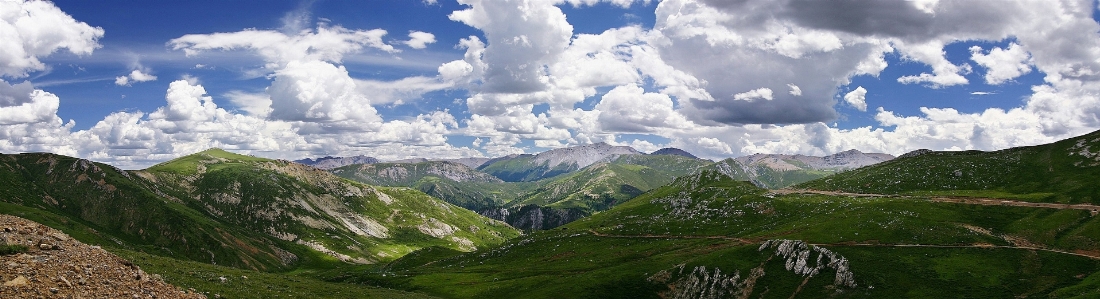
(594, 221)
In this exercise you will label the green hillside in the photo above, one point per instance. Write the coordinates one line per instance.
(602, 185)
(114, 207)
(452, 182)
(1066, 171)
(522, 168)
(707, 236)
(241, 211)
(295, 203)
(540, 204)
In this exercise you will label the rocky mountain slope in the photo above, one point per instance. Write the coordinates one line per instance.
(247, 212)
(453, 182)
(130, 211)
(42, 262)
(778, 171)
(310, 207)
(330, 162)
(541, 204)
(525, 168)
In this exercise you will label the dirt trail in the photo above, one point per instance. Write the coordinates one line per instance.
(1094, 209)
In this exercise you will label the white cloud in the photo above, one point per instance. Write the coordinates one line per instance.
(32, 29)
(399, 91)
(523, 37)
(631, 110)
(319, 92)
(134, 76)
(713, 145)
(795, 91)
(420, 39)
(256, 104)
(1002, 64)
(759, 93)
(944, 73)
(857, 98)
(324, 43)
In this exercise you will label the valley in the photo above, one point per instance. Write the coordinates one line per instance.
(591, 222)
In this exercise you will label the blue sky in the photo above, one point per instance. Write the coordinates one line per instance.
(136, 83)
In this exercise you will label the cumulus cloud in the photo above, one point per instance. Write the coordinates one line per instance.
(1002, 64)
(523, 36)
(760, 93)
(629, 109)
(420, 39)
(857, 98)
(134, 76)
(32, 29)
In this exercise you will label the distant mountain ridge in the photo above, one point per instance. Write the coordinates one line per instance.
(849, 159)
(330, 162)
(525, 168)
(778, 171)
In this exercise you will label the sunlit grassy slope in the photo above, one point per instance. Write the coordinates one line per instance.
(1065, 171)
(705, 234)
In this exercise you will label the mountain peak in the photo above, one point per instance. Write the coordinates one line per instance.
(672, 151)
(583, 155)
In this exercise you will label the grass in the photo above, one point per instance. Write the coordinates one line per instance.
(9, 249)
(1064, 172)
(663, 231)
(239, 283)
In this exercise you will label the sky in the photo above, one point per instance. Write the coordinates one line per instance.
(135, 83)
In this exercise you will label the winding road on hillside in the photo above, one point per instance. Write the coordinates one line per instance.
(1094, 209)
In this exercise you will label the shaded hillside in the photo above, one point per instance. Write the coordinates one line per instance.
(1064, 171)
(707, 236)
(130, 211)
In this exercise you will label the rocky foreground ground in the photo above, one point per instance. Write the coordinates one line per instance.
(41, 262)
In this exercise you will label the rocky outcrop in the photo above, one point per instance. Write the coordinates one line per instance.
(45, 263)
(533, 217)
(798, 256)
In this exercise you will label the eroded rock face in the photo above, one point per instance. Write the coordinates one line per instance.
(799, 255)
(54, 265)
